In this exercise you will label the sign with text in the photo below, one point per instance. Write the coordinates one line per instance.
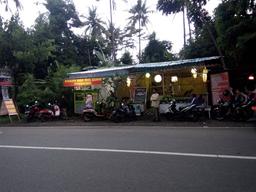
(219, 82)
(82, 82)
(8, 108)
(140, 95)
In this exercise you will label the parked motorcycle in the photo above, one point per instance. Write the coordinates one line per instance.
(223, 110)
(245, 111)
(241, 112)
(191, 112)
(37, 112)
(90, 114)
(125, 112)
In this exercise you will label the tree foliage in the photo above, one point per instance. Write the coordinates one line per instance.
(157, 51)
(235, 23)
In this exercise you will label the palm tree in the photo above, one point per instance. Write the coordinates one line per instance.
(173, 7)
(139, 14)
(95, 26)
(112, 5)
(195, 13)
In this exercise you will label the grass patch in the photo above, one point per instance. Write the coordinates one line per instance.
(5, 119)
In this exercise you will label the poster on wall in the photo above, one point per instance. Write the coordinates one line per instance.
(219, 82)
(140, 95)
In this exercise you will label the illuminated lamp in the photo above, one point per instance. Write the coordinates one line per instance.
(204, 75)
(128, 81)
(174, 79)
(194, 72)
(251, 78)
(147, 75)
(158, 78)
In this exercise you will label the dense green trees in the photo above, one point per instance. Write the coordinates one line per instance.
(40, 56)
(235, 23)
(230, 32)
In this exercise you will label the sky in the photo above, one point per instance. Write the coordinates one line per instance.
(166, 27)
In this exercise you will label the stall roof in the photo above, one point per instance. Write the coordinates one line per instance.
(102, 72)
(124, 70)
(175, 64)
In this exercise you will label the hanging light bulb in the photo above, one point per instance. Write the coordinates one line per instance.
(174, 79)
(158, 78)
(194, 72)
(147, 75)
(204, 75)
(128, 81)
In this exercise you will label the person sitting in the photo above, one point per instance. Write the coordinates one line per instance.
(239, 98)
(88, 102)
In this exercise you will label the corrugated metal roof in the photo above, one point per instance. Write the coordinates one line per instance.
(101, 72)
(175, 64)
(124, 70)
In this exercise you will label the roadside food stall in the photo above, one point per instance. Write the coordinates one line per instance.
(172, 80)
(97, 82)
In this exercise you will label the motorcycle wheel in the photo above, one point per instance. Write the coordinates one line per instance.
(194, 116)
(28, 119)
(87, 117)
(246, 115)
(43, 118)
(217, 114)
(116, 118)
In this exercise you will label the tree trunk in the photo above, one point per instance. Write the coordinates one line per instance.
(112, 32)
(139, 42)
(189, 25)
(184, 26)
(215, 43)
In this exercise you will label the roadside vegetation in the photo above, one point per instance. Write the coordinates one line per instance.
(41, 56)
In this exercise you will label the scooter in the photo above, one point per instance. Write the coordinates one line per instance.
(90, 114)
(36, 112)
(245, 111)
(230, 111)
(123, 113)
(190, 112)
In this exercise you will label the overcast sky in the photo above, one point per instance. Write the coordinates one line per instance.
(166, 27)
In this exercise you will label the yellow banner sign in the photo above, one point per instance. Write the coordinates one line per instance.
(8, 108)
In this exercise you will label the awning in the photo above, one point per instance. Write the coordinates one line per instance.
(174, 64)
(142, 67)
(102, 72)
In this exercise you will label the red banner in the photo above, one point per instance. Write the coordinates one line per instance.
(6, 83)
(82, 82)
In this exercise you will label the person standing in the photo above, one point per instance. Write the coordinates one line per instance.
(63, 107)
(155, 101)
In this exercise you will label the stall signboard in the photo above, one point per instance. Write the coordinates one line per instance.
(79, 99)
(8, 108)
(219, 82)
(82, 82)
(140, 95)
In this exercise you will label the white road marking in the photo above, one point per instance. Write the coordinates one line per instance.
(130, 151)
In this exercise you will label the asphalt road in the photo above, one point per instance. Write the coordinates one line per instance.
(121, 159)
